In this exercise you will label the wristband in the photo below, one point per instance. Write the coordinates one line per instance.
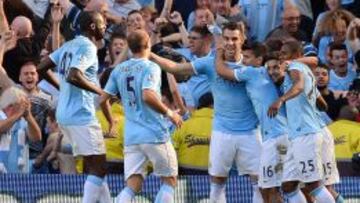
(169, 113)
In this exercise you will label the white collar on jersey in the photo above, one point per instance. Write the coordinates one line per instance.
(239, 62)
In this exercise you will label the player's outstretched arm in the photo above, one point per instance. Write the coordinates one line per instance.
(172, 67)
(311, 61)
(105, 107)
(221, 67)
(151, 98)
(77, 78)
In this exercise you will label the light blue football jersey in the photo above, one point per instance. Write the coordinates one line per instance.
(337, 83)
(143, 125)
(263, 92)
(300, 110)
(233, 111)
(198, 85)
(76, 106)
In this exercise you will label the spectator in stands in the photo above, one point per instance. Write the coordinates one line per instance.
(331, 5)
(337, 35)
(334, 104)
(224, 13)
(28, 46)
(253, 53)
(149, 14)
(58, 149)
(122, 7)
(202, 6)
(203, 17)
(40, 106)
(290, 26)
(263, 16)
(342, 73)
(353, 98)
(17, 125)
(135, 21)
(117, 45)
(193, 138)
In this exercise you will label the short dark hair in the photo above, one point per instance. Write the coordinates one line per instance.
(133, 12)
(324, 66)
(202, 30)
(137, 41)
(117, 35)
(86, 18)
(336, 46)
(234, 26)
(258, 48)
(275, 55)
(357, 59)
(274, 45)
(294, 46)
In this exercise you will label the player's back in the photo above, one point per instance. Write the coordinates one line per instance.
(301, 114)
(76, 106)
(142, 123)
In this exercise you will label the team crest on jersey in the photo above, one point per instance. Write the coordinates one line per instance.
(82, 59)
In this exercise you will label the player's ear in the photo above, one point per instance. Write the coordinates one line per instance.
(92, 26)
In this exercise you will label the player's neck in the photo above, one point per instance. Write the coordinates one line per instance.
(91, 38)
(234, 58)
(323, 90)
(141, 55)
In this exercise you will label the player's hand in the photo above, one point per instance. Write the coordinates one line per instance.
(235, 10)
(159, 23)
(274, 108)
(112, 131)
(175, 18)
(175, 118)
(56, 14)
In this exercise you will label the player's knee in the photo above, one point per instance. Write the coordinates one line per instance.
(218, 180)
(289, 187)
(172, 181)
(135, 182)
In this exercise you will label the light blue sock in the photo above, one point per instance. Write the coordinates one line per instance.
(295, 197)
(339, 199)
(165, 195)
(125, 196)
(322, 195)
(92, 189)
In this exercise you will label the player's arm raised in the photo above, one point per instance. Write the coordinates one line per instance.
(221, 67)
(297, 87)
(172, 67)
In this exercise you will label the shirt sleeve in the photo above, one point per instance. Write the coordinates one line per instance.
(152, 78)
(200, 65)
(244, 73)
(84, 58)
(55, 56)
(111, 85)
